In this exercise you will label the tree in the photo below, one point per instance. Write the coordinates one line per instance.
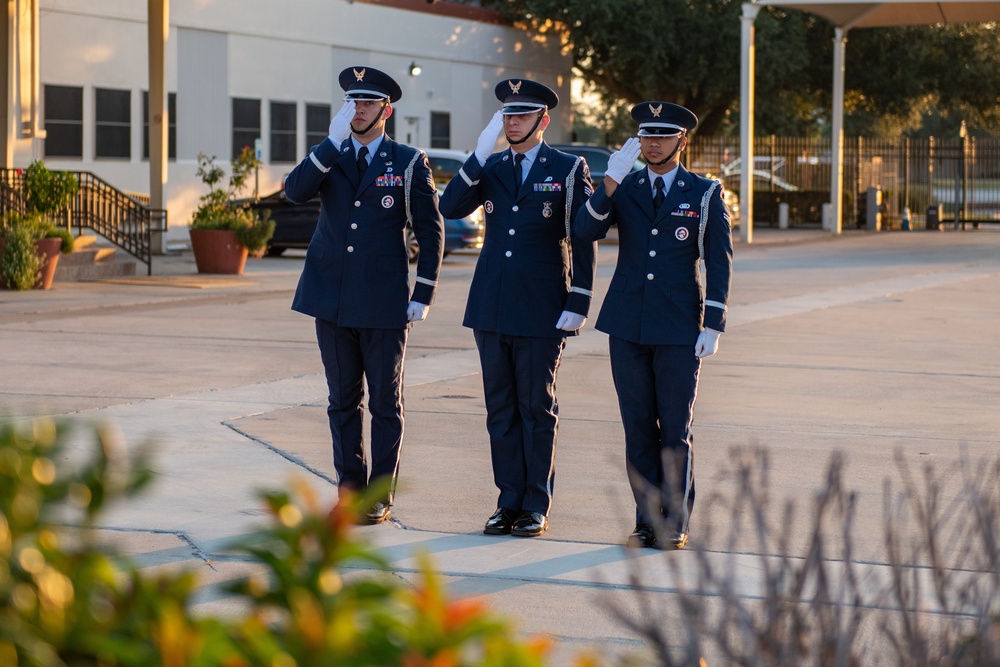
(689, 52)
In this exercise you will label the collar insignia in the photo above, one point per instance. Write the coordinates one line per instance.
(360, 75)
(515, 89)
(654, 110)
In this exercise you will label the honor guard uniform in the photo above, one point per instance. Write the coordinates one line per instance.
(356, 276)
(660, 326)
(531, 288)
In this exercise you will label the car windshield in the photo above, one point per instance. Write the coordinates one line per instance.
(444, 169)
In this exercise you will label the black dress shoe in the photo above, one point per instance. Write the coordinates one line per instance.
(530, 524)
(501, 522)
(642, 536)
(377, 513)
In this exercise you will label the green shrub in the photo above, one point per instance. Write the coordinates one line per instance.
(20, 264)
(48, 192)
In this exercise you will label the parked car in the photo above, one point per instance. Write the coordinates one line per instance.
(296, 223)
(597, 158)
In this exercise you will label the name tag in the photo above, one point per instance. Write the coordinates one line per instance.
(548, 187)
(388, 181)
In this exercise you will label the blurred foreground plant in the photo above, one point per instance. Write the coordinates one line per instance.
(934, 601)
(66, 600)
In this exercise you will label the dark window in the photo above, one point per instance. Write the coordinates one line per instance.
(246, 124)
(112, 123)
(440, 129)
(283, 132)
(317, 124)
(171, 130)
(63, 121)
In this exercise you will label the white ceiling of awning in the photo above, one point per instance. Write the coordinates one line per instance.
(860, 14)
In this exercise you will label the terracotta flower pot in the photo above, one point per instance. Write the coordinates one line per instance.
(218, 251)
(47, 248)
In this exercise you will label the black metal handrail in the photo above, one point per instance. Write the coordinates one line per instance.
(99, 206)
(11, 199)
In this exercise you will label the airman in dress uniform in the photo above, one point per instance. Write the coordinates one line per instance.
(531, 288)
(356, 276)
(660, 326)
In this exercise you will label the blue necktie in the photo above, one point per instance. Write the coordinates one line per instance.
(362, 160)
(518, 176)
(659, 196)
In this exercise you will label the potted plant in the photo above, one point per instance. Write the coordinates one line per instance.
(224, 230)
(29, 251)
(30, 244)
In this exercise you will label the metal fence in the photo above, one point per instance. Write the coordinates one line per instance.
(960, 176)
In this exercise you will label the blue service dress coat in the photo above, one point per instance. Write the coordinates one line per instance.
(654, 312)
(356, 273)
(655, 296)
(530, 268)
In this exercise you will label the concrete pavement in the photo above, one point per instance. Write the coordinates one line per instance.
(869, 344)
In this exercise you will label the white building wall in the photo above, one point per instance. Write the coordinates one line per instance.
(280, 50)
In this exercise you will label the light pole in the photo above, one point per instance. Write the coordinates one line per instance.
(964, 134)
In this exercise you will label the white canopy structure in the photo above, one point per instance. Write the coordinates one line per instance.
(845, 15)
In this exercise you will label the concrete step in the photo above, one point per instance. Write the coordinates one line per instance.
(93, 261)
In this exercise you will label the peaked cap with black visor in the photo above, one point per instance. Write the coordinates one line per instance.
(663, 119)
(368, 83)
(523, 96)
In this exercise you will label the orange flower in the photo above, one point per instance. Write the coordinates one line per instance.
(460, 612)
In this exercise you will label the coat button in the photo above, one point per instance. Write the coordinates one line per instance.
(509, 253)
(511, 232)
(350, 248)
(655, 232)
(354, 225)
(514, 209)
(357, 203)
(649, 276)
(652, 253)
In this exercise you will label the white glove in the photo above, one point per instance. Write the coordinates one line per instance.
(621, 161)
(340, 126)
(488, 139)
(570, 321)
(416, 312)
(707, 343)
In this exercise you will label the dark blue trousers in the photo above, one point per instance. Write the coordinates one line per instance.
(522, 416)
(656, 386)
(351, 356)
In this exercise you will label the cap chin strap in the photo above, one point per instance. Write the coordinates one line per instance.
(526, 136)
(669, 157)
(371, 124)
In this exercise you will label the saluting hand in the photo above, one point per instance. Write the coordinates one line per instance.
(340, 126)
(621, 161)
(488, 138)
(707, 343)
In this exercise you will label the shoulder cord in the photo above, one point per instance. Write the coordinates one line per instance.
(407, 182)
(570, 183)
(706, 201)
